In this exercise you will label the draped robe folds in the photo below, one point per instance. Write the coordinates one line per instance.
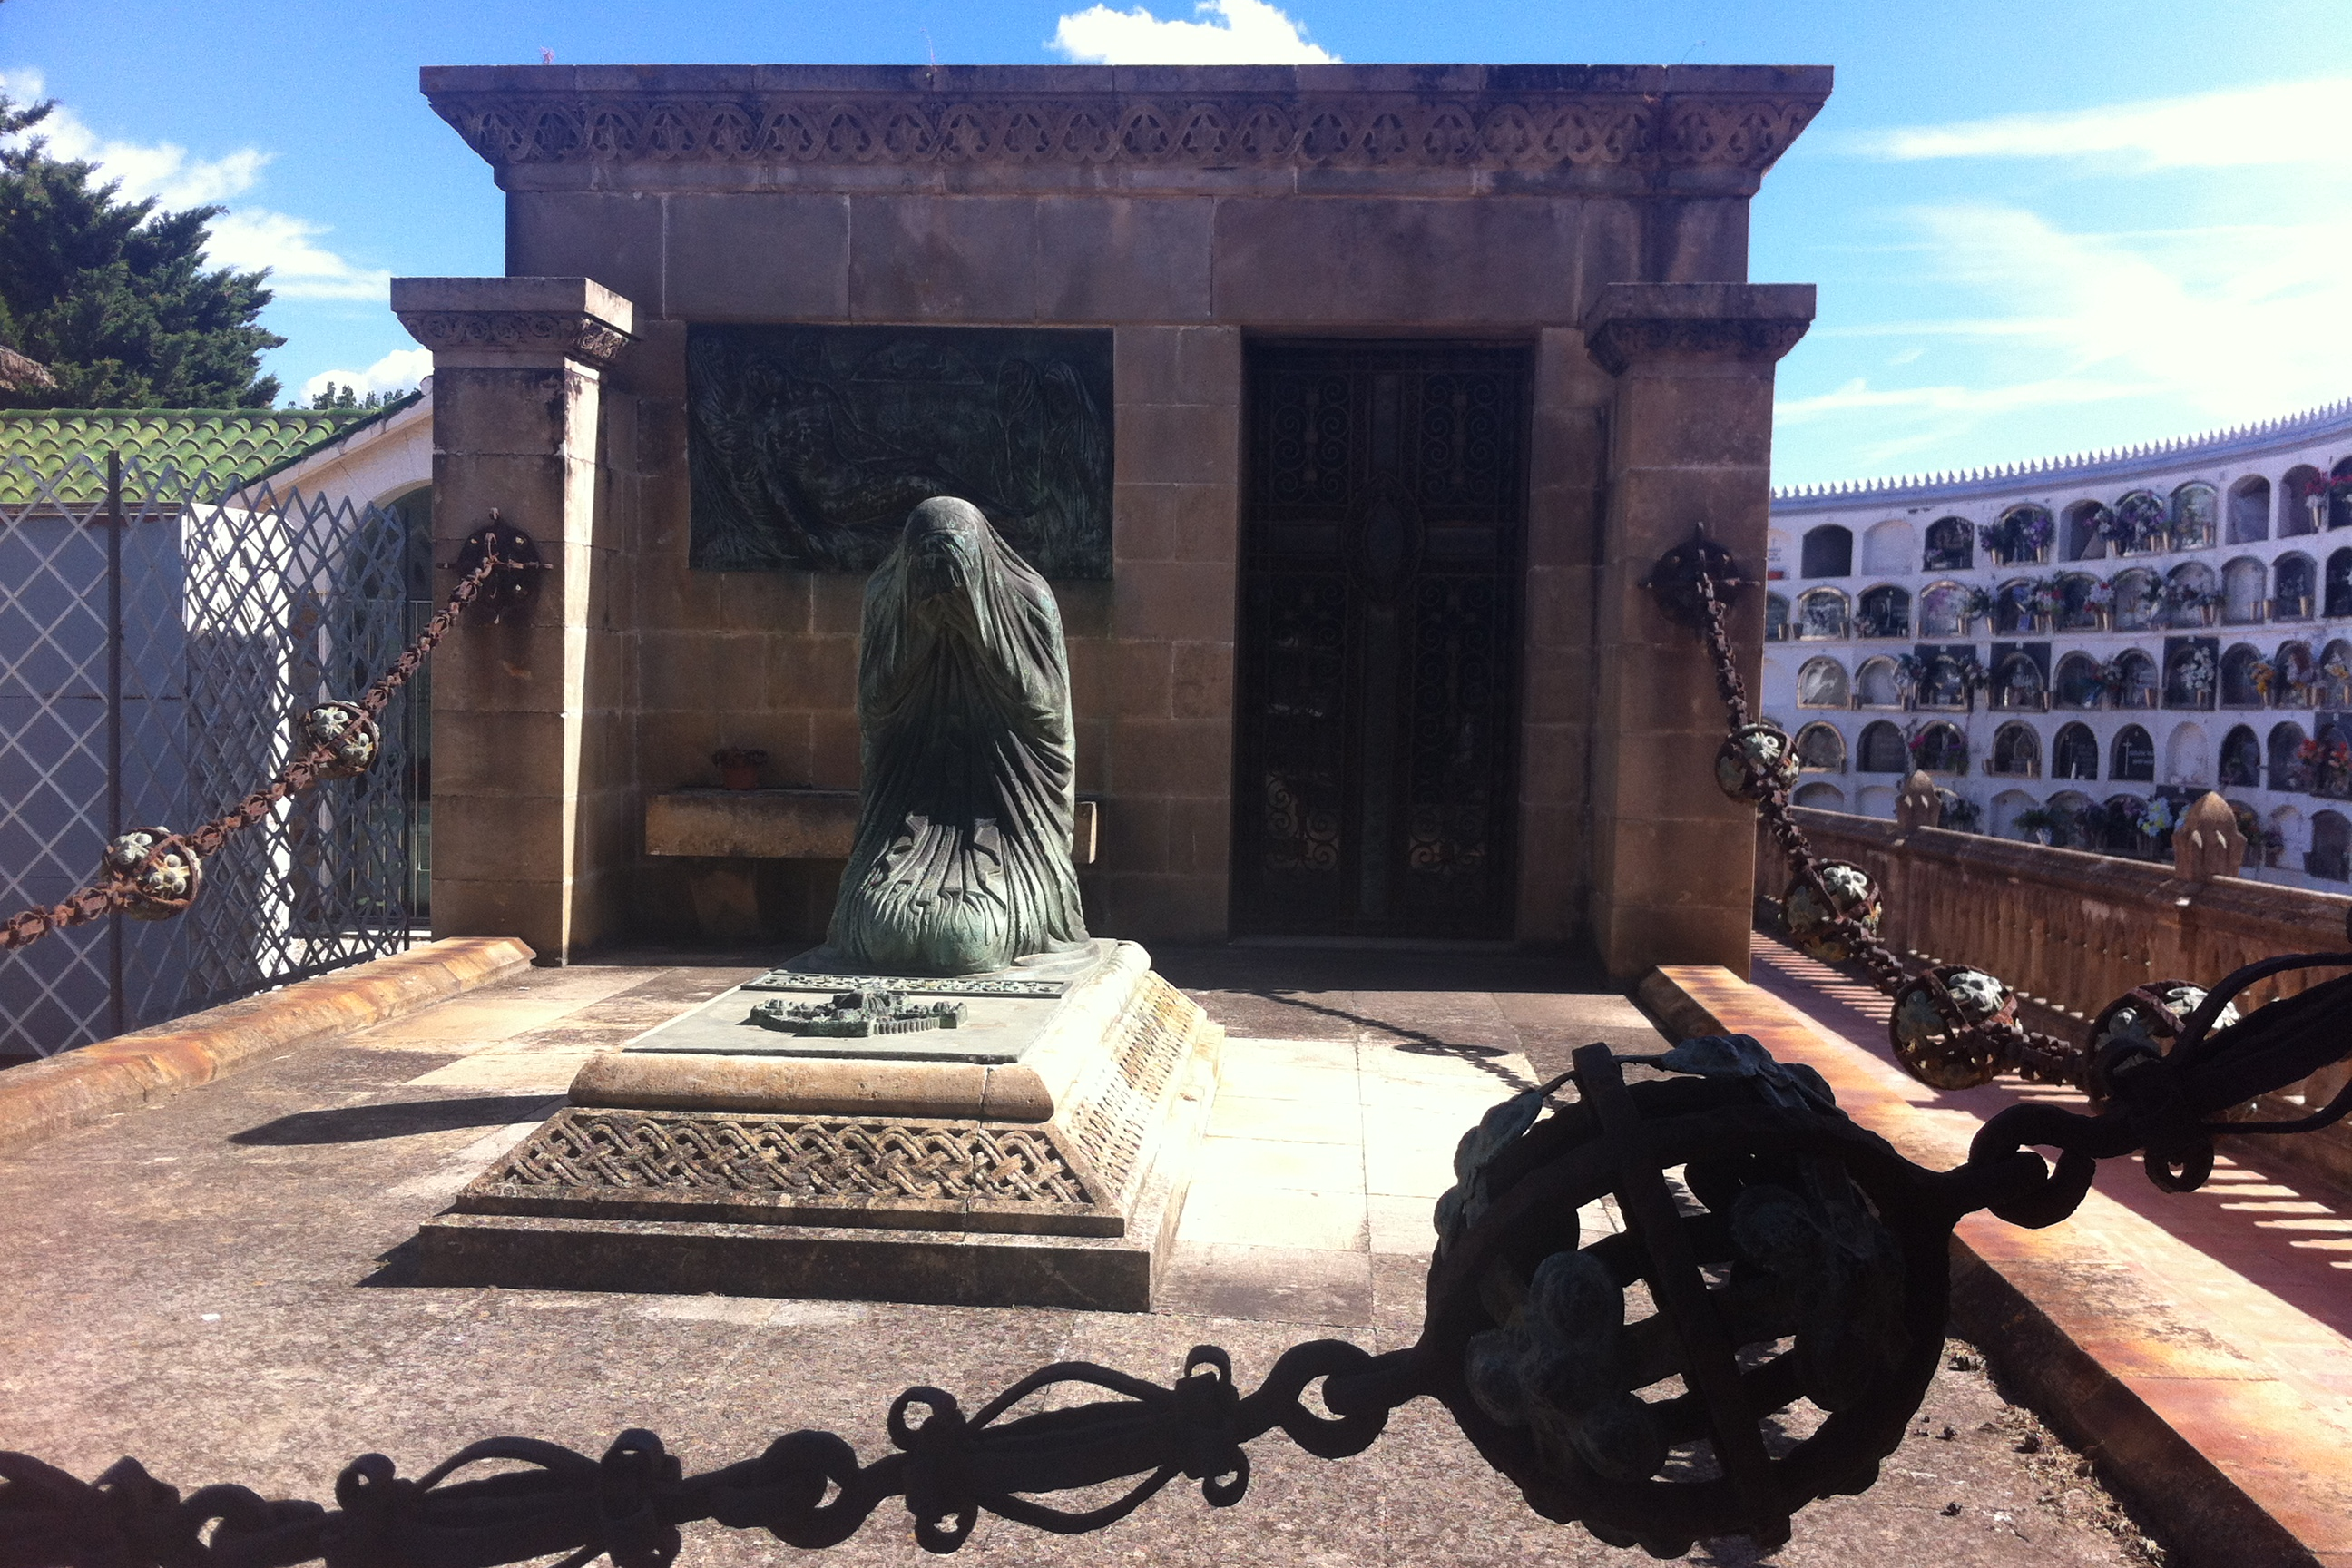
(961, 863)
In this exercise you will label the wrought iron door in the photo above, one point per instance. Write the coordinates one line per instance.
(1376, 756)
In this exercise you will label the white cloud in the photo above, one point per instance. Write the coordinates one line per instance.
(244, 238)
(396, 372)
(2296, 122)
(1245, 32)
(299, 268)
(2193, 327)
(164, 169)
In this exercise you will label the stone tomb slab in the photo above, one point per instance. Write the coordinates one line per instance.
(1041, 1161)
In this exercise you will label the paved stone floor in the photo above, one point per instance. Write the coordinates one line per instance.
(219, 1285)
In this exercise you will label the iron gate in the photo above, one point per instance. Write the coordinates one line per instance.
(1376, 745)
(159, 635)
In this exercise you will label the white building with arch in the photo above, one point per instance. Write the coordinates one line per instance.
(2073, 640)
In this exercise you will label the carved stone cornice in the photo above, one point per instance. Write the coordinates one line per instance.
(1616, 345)
(1215, 126)
(574, 334)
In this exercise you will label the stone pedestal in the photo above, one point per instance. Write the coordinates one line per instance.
(1038, 1154)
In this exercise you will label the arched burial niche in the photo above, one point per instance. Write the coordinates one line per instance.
(1875, 685)
(2337, 599)
(2250, 510)
(2185, 760)
(1822, 613)
(2078, 684)
(1941, 748)
(1828, 551)
(2290, 774)
(2017, 752)
(2295, 587)
(1885, 612)
(2022, 536)
(2084, 531)
(1951, 545)
(2134, 679)
(2075, 753)
(2339, 495)
(2017, 685)
(1876, 800)
(2330, 856)
(2303, 501)
(2139, 601)
(2194, 509)
(2335, 674)
(2239, 688)
(2073, 809)
(2242, 759)
(1776, 617)
(1886, 549)
(1943, 610)
(1821, 749)
(1881, 750)
(1820, 795)
(2134, 756)
(1822, 683)
(2078, 601)
(2242, 585)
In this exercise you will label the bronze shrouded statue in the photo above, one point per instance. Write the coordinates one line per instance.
(961, 863)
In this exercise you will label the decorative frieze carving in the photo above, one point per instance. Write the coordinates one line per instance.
(812, 1160)
(572, 333)
(1522, 131)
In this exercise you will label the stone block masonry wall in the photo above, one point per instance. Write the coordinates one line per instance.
(1182, 209)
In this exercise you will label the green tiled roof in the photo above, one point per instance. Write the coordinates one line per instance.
(227, 446)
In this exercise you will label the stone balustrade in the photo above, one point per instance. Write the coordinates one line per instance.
(2070, 932)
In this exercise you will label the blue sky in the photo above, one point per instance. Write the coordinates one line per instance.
(2036, 228)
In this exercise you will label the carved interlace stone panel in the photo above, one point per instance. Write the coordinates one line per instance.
(1515, 130)
(1123, 1100)
(810, 1159)
(808, 446)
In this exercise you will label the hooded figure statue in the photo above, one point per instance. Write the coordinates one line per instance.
(962, 859)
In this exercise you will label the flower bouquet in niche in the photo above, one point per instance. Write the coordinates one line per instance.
(2047, 601)
(2189, 604)
(1978, 606)
(2265, 676)
(2137, 524)
(2196, 674)
(2099, 598)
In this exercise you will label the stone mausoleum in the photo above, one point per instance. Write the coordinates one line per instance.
(1345, 408)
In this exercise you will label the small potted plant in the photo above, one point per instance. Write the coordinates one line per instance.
(739, 768)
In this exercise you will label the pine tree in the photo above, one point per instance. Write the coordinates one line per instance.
(113, 296)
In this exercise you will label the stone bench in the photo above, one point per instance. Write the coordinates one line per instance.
(739, 825)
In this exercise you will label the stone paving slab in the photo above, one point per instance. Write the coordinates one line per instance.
(2208, 1395)
(222, 1287)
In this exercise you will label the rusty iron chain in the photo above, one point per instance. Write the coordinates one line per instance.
(309, 764)
(2041, 1055)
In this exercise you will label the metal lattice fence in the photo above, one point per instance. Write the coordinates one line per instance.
(158, 640)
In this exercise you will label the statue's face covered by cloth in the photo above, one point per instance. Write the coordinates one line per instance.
(945, 547)
(962, 859)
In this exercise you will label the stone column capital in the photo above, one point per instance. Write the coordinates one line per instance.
(1752, 323)
(511, 321)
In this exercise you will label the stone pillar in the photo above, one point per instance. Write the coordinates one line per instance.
(2208, 843)
(522, 711)
(1690, 442)
(1921, 805)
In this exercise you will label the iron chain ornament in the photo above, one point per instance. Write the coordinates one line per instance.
(1756, 1336)
(153, 873)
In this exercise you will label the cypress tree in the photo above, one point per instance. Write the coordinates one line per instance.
(113, 296)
